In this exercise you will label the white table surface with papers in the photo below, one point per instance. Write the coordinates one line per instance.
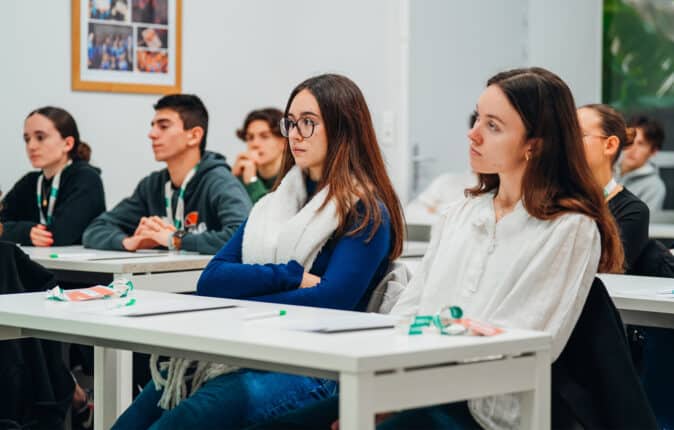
(149, 270)
(371, 365)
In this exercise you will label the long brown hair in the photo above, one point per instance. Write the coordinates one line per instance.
(557, 179)
(612, 123)
(354, 166)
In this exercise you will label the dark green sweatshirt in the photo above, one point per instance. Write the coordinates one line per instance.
(259, 188)
(215, 203)
(80, 200)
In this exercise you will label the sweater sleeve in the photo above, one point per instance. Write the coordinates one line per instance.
(15, 227)
(112, 227)
(232, 204)
(83, 200)
(408, 302)
(256, 190)
(350, 271)
(226, 276)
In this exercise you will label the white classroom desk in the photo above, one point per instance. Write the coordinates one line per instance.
(159, 271)
(414, 248)
(637, 300)
(661, 231)
(378, 370)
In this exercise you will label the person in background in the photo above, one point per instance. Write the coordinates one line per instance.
(325, 237)
(258, 166)
(520, 251)
(636, 171)
(53, 205)
(193, 204)
(426, 208)
(604, 136)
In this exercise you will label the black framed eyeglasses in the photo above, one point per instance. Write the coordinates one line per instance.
(305, 126)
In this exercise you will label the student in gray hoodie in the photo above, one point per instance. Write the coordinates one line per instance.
(193, 204)
(636, 172)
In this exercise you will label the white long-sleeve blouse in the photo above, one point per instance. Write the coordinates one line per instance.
(521, 272)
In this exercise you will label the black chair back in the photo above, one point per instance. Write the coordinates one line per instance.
(594, 383)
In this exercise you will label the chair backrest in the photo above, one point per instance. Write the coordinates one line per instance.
(594, 383)
(386, 293)
(655, 260)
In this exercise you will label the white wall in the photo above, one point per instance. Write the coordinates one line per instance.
(422, 60)
(566, 37)
(237, 55)
(455, 46)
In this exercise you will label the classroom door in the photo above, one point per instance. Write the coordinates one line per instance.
(454, 47)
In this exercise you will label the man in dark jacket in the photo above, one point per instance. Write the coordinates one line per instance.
(194, 204)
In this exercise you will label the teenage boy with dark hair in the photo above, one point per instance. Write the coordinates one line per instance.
(193, 204)
(636, 172)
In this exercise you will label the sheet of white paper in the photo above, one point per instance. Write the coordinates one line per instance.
(366, 321)
(168, 306)
(143, 307)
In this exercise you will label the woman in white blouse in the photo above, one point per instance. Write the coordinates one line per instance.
(522, 250)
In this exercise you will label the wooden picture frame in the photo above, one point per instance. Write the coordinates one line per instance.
(126, 46)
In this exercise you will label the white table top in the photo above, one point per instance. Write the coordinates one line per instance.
(78, 258)
(661, 231)
(224, 333)
(639, 293)
(412, 248)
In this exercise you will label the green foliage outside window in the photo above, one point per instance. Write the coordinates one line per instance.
(638, 55)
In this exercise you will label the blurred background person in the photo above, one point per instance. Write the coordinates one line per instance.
(426, 208)
(258, 166)
(636, 170)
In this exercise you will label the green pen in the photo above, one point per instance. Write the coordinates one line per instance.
(262, 315)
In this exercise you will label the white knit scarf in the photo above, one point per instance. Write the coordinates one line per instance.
(283, 226)
(280, 228)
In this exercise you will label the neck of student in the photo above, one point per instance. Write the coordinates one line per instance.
(509, 189)
(626, 169)
(315, 173)
(51, 170)
(270, 169)
(181, 165)
(603, 175)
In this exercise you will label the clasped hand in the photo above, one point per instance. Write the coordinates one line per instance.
(151, 232)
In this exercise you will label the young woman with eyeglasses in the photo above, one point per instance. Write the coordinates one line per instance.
(605, 135)
(324, 237)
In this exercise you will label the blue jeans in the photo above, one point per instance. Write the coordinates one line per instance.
(320, 415)
(233, 400)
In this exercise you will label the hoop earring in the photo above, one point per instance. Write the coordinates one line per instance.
(527, 156)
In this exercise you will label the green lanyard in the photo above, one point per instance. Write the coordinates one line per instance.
(53, 194)
(179, 220)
